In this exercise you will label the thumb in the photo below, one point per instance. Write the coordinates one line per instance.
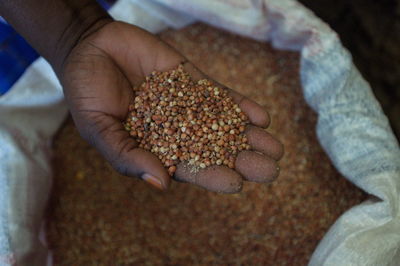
(108, 135)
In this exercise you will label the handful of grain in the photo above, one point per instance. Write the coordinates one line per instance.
(180, 120)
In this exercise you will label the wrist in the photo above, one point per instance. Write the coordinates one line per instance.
(53, 27)
(83, 22)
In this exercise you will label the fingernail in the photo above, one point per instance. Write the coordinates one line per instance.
(152, 180)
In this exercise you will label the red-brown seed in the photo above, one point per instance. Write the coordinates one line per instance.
(178, 119)
(172, 170)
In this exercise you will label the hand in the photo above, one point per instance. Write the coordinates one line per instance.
(98, 76)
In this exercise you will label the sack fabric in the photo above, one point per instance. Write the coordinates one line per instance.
(351, 128)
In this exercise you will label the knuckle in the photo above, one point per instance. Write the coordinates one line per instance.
(119, 166)
(90, 127)
(121, 159)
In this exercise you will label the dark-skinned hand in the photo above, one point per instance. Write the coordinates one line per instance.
(98, 76)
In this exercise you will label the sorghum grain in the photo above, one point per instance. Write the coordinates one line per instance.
(212, 116)
(276, 224)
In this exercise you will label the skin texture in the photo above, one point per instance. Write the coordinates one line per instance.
(54, 27)
(98, 61)
(98, 78)
(264, 142)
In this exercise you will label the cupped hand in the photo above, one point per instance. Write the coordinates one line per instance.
(98, 76)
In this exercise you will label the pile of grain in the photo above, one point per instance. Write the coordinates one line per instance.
(180, 120)
(98, 217)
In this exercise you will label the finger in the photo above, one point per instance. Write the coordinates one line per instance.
(261, 141)
(214, 178)
(195, 73)
(256, 167)
(108, 135)
(257, 115)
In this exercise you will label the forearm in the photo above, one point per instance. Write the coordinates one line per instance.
(53, 27)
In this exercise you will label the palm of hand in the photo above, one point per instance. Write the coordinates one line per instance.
(98, 77)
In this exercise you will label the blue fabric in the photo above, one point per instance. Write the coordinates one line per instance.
(16, 55)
